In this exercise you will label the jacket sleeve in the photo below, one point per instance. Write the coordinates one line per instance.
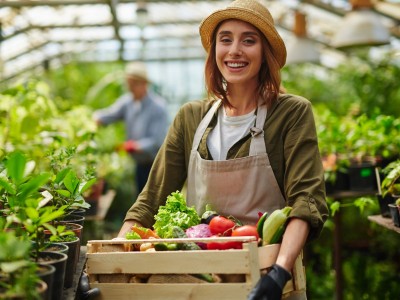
(304, 174)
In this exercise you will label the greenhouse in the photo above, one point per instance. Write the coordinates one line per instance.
(181, 149)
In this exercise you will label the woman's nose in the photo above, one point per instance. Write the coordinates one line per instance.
(235, 49)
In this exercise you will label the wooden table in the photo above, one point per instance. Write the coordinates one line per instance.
(384, 222)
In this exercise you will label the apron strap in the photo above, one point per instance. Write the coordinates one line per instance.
(257, 145)
(203, 124)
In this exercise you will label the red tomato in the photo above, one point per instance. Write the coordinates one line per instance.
(221, 225)
(223, 245)
(246, 230)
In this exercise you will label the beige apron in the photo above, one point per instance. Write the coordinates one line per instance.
(239, 187)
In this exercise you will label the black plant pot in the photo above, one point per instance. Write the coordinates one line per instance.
(341, 183)
(72, 261)
(384, 204)
(59, 262)
(46, 273)
(362, 177)
(77, 212)
(394, 212)
(72, 218)
(57, 247)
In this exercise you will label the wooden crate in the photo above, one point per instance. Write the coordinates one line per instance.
(114, 269)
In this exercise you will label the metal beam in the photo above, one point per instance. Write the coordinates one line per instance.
(116, 25)
(27, 3)
(121, 24)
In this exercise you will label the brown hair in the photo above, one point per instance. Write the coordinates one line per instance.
(269, 76)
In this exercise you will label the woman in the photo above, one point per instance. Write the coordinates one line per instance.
(250, 148)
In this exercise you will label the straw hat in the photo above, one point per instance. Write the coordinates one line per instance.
(250, 11)
(137, 70)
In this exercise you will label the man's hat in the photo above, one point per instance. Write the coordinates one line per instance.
(250, 11)
(137, 70)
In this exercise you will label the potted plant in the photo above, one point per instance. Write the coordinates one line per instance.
(28, 214)
(18, 273)
(332, 130)
(73, 243)
(391, 188)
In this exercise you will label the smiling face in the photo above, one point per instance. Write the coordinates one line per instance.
(238, 52)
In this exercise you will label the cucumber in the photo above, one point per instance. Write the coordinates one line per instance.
(273, 223)
(166, 246)
(260, 224)
(178, 232)
(205, 277)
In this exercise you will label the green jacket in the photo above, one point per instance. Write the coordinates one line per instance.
(292, 147)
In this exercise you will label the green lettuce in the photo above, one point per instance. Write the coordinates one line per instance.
(175, 212)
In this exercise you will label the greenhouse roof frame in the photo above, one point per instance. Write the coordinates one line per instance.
(109, 30)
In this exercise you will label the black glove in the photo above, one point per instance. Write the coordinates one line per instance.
(84, 290)
(270, 286)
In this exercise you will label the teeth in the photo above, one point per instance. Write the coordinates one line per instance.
(236, 65)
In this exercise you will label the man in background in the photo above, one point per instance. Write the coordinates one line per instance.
(145, 116)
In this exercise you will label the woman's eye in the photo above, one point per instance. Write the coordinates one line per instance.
(225, 40)
(249, 41)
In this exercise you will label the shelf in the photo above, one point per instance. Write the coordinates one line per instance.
(384, 222)
(351, 194)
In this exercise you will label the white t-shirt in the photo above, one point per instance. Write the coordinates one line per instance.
(227, 132)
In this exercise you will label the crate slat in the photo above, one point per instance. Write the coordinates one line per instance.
(163, 262)
(172, 291)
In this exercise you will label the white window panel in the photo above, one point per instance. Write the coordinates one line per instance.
(176, 30)
(129, 32)
(126, 12)
(68, 14)
(86, 33)
(23, 62)
(21, 43)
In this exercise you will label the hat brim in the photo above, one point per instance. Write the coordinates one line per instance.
(209, 24)
(137, 77)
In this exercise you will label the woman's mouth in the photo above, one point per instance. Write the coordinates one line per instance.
(236, 65)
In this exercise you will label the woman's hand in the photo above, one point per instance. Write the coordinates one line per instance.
(270, 286)
(126, 227)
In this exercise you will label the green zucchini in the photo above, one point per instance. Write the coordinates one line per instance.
(277, 238)
(273, 223)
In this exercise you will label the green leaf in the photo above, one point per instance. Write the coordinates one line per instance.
(48, 217)
(32, 213)
(363, 202)
(10, 267)
(16, 166)
(61, 175)
(51, 228)
(84, 186)
(71, 181)
(64, 193)
(32, 186)
(334, 207)
(7, 186)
